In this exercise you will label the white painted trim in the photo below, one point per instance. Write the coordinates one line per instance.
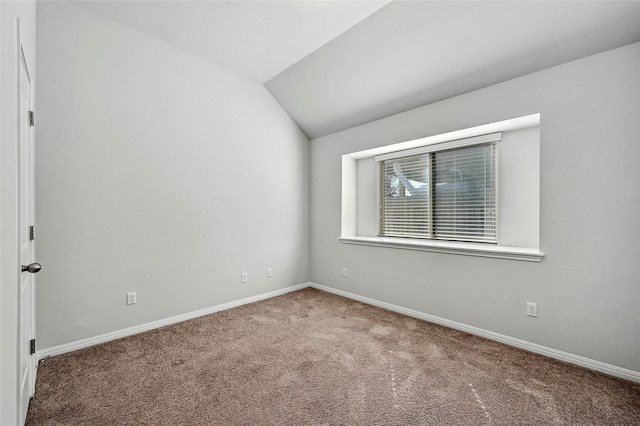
(524, 122)
(441, 146)
(449, 247)
(349, 193)
(91, 341)
(522, 344)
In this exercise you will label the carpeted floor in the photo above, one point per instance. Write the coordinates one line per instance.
(313, 358)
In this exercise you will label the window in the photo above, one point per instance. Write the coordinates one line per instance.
(443, 191)
(449, 193)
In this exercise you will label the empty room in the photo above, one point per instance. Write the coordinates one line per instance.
(319, 212)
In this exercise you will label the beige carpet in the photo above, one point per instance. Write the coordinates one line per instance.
(313, 358)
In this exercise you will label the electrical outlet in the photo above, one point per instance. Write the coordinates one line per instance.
(131, 298)
(244, 277)
(344, 272)
(269, 272)
(532, 309)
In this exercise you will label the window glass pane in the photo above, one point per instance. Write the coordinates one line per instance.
(447, 195)
(405, 197)
(464, 207)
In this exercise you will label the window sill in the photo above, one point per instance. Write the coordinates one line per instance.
(450, 247)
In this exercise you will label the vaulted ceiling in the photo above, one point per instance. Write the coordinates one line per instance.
(333, 65)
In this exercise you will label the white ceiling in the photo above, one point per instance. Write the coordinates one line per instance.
(410, 54)
(337, 64)
(258, 39)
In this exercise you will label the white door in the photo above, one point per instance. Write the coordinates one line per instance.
(26, 323)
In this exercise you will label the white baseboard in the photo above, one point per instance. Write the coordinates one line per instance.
(84, 343)
(522, 344)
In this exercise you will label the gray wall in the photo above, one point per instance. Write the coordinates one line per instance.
(164, 174)
(159, 173)
(587, 287)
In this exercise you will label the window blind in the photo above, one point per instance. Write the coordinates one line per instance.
(447, 194)
(405, 206)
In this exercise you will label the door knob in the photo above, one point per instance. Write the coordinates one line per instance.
(33, 268)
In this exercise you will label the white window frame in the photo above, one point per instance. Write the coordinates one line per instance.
(490, 139)
(349, 198)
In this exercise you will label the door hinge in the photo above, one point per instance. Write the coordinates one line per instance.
(32, 346)
(32, 233)
(32, 118)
